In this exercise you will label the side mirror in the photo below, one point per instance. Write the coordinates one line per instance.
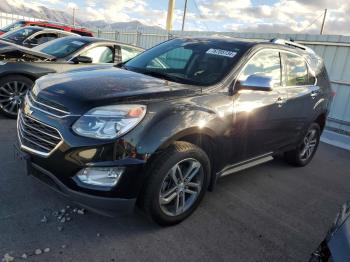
(258, 82)
(82, 59)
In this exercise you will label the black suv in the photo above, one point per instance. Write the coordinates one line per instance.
(160, 130)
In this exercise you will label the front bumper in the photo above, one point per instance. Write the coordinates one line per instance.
(73, 153)
(103, 205)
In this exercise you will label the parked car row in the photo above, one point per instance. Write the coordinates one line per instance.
(46, 24)
(30, 52)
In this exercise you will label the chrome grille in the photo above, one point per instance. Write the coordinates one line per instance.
(46, 106)
(37, 137)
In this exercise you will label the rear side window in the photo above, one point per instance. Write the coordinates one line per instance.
(265, 63)
(297, 71)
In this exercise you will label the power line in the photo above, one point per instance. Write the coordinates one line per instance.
(200, 15)
(311, 23)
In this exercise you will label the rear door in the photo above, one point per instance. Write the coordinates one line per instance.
(302, 91)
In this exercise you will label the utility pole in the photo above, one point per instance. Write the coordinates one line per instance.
(184, 16)
(73, 16)
(169, 18)
(323, 21)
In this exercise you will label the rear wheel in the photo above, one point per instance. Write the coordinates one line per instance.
(12, 91)
(177, 182)
(306, 150)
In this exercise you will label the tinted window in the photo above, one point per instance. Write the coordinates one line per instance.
(265, 63)
(43, 38)
(199, 62)
(61, 47)
(176, 58)
(297, 73)
(100, 54)
(128, 52)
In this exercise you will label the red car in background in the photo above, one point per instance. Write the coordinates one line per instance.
(54, 25)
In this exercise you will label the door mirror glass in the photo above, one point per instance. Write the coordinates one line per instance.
(82, 59)
(258, 82)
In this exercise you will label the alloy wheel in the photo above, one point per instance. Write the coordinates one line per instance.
(308, 145)
(12, 95)
(181, 187)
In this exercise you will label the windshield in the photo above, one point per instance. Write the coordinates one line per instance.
(198, 62)
(13, 26)
(61, 47)
(21, 34)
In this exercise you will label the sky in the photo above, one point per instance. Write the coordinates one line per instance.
(283, 16)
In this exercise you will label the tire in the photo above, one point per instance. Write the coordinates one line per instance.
(154, 198)
(12, 92)
(299, 157)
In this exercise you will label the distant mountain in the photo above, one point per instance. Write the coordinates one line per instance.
(35, 11)
(127, 26)
(42, 12)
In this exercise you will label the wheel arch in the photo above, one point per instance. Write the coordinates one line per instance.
(204, 138)
(321, 120)
(25, 74)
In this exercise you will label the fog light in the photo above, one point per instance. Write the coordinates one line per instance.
(100, 176)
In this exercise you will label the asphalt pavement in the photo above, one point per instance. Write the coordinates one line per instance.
(272, 212)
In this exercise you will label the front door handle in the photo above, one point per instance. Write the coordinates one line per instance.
(280, 101)
(314, 94)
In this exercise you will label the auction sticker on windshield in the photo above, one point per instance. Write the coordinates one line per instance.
(221, 52)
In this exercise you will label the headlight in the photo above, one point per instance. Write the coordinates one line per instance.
(109, 122)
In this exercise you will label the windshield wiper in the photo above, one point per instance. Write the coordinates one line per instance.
(163, 76)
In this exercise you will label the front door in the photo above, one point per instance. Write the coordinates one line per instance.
(259, 116)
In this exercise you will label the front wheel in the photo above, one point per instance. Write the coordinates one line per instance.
(303, 154)
(12, 91)
(177, 182)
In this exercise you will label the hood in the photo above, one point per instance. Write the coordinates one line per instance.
(10, 50)
(82, 90)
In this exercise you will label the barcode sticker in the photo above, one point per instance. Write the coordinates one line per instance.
(221, 52)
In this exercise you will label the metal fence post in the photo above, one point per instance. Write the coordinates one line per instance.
(98, 32)
(138, 38)
(116, 35)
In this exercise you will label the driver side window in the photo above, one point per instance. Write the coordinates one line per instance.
(100, 54)
(265, 63)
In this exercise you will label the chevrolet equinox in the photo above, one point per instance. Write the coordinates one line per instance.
(160, 129)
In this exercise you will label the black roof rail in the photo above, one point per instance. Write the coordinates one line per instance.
(292, 44)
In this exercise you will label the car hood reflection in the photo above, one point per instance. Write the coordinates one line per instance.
(77, 90)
